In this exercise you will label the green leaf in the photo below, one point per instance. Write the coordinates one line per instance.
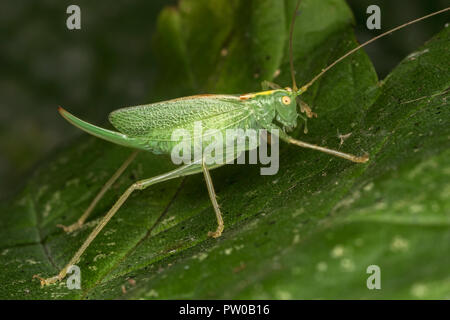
(309, 231)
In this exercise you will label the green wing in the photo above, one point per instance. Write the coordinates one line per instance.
(215, 111)
(150, 127)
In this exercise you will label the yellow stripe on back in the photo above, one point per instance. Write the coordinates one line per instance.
(252, 95)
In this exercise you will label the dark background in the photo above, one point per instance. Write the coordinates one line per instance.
(109, 64)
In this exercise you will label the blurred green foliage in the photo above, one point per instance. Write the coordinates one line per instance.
(107, 64)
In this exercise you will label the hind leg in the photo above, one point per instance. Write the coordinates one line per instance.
(77, 225)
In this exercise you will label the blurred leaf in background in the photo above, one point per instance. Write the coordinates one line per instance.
(110, 63)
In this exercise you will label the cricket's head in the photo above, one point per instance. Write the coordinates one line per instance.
(284, 101)
(281, 101)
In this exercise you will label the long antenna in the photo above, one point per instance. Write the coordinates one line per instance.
(291, 55)
(305, 87)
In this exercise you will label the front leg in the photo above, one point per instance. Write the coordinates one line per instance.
(304, 108)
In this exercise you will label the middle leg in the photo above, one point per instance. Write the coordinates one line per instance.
(140, 185)
(213, 197)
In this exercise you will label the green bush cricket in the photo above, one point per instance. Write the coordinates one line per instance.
(149, 128)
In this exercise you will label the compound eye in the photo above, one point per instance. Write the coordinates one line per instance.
(286, 100)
